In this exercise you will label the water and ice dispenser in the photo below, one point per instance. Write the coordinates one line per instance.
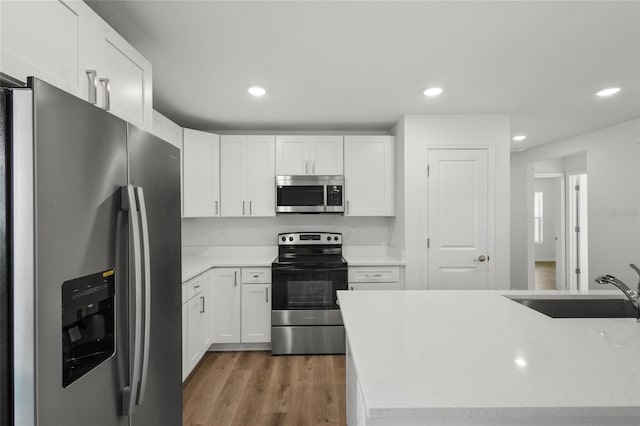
(88, 318)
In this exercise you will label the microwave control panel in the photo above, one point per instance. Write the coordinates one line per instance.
(334, 195)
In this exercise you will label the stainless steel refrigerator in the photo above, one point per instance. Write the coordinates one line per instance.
(90, 267)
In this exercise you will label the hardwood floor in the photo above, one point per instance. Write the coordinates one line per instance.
(545, 275)
(257, 389)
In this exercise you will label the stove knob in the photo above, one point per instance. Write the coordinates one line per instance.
(335, 238)
(328, 238)
(290, 238)
(284, 238)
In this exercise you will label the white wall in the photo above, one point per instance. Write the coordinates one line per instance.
(614, 221)
(263, 231)
(546, 251)
(415, 133)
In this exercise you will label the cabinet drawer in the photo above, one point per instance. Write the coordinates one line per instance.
(194, 287)
(374, 286)
(256, 275)
(382, 274)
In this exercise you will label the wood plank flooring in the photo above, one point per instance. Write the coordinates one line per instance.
(545, 275)
(257, 389)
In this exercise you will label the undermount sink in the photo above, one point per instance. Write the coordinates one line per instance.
(580, 308)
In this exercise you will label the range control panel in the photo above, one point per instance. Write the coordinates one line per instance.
(310, 238)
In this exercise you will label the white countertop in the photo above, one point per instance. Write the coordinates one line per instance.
(196, 260)
(431, 354)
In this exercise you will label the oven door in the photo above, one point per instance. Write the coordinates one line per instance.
(297, 287)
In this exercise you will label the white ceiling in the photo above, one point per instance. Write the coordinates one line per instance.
(359, 66)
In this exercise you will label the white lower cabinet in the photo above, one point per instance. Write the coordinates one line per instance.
(256, 313)
(374, 278)
(225, 295)
(194, 332)
(196, 320)
(241, 305)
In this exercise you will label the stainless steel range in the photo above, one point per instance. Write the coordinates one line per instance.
(305, 316)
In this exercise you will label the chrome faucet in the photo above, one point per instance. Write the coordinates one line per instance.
(633, 297)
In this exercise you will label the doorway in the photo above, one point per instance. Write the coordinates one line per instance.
(558, 249)
(548, 213)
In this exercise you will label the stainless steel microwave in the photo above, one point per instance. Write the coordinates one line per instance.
(310, 194)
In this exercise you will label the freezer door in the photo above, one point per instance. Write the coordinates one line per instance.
(78, 163)
(154, 170)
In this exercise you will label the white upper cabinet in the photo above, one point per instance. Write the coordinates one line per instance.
(51, 40)
(201, 173)
(369, 175)
(325, 155)
(247, 175)
(69, 46)
(124, 78)
(309, 155)
(167, 129)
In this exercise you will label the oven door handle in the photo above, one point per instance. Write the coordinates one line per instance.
(315, 268)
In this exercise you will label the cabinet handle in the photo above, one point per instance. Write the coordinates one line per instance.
(93, 86)
(348, 207)
(250, 208)
(106, 94)
(216, 208)
(235, 278)
(313, 167)
(306, 167)
(351, 288)
(196, 286)
(243, 208)
(266, 294)
(202, 300)
(373, 275)
(256, 276)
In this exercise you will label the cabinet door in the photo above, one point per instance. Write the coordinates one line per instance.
(130, 77)
(256, 313)
(194, 331)
(201, 186)
(50, 40)
(225, 305)
(369, 175)
(233, 202)
(260, 176)
(292, 155)
(206, 311)
(185, 341)
(325, 155)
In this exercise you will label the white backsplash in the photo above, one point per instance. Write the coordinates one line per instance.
(262, 231)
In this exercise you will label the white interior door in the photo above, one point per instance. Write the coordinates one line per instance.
(458, 220)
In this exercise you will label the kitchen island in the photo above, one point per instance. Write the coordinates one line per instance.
(478, 358)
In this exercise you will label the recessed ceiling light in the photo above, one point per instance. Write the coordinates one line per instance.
(256, 91)
(608, 92)
(519, 138)
(433, 91)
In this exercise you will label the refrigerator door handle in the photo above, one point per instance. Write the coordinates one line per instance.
(147, 293)
(129, 393)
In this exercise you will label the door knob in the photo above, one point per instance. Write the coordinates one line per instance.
(480, 258)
